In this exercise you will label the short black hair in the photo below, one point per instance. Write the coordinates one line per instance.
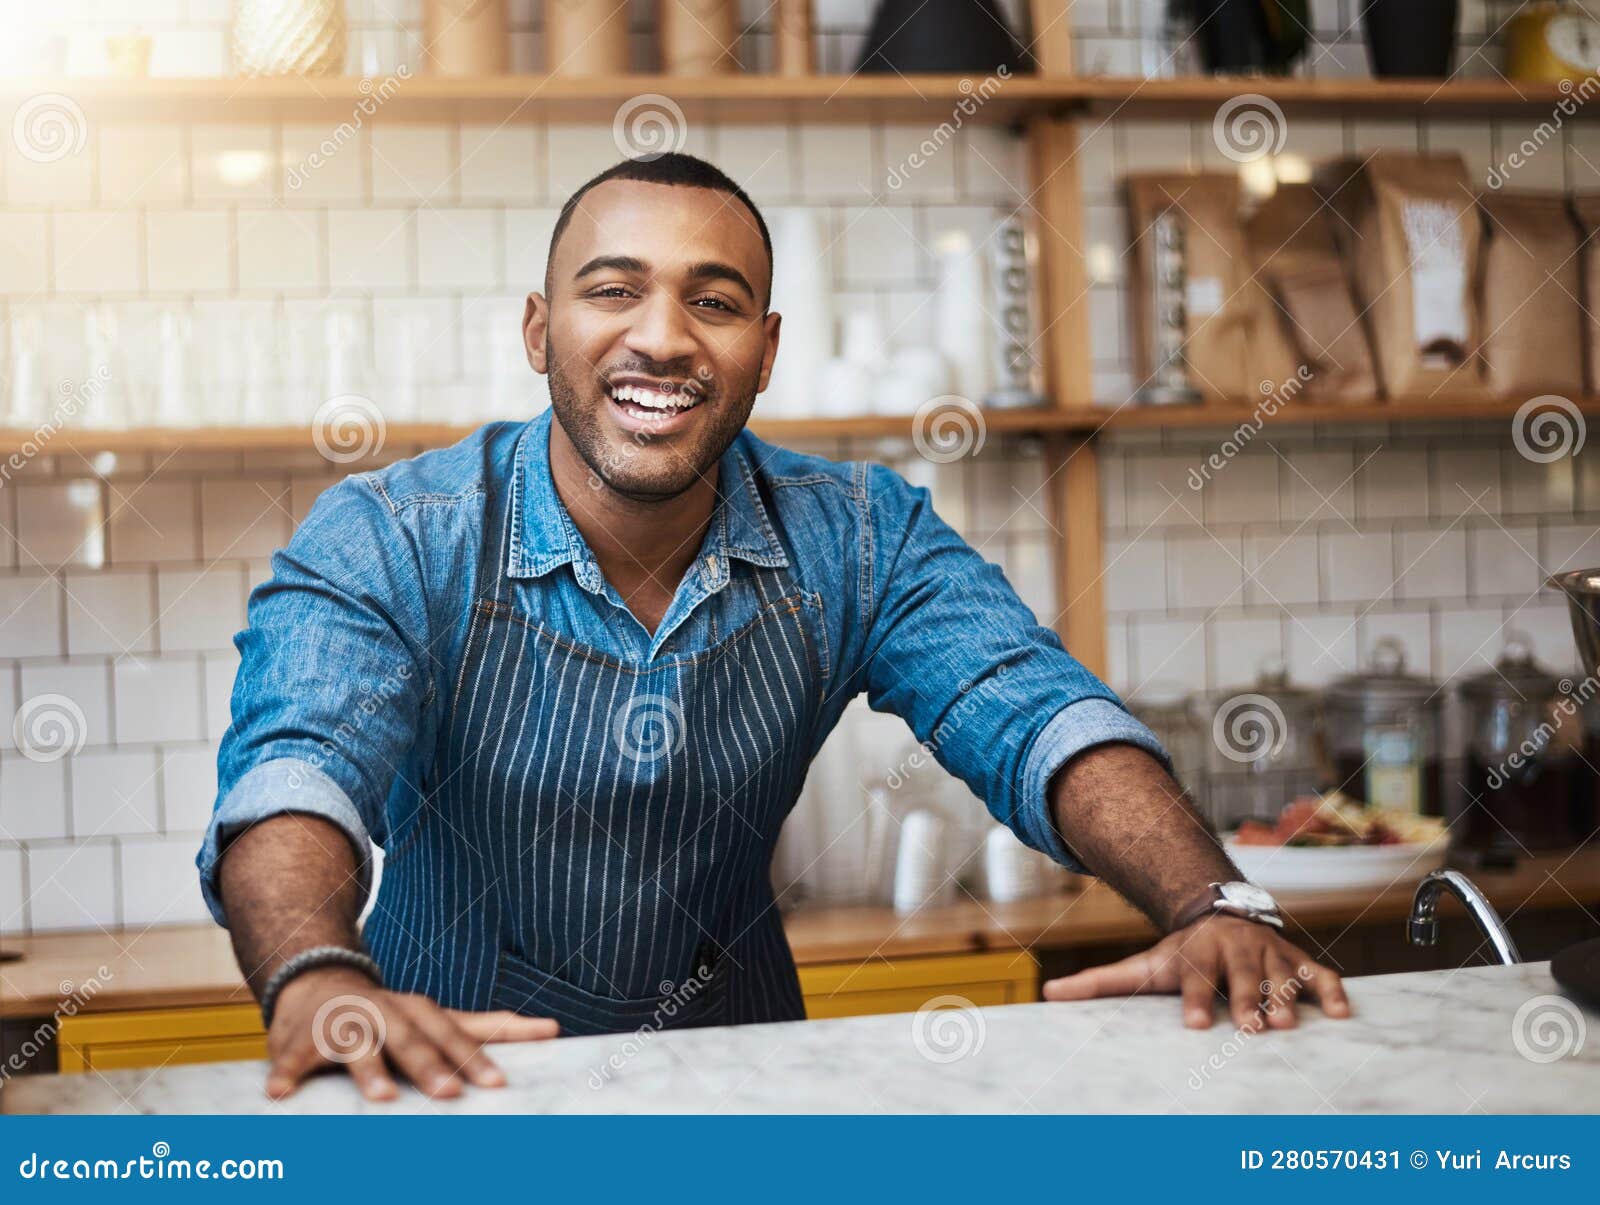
(674, 168)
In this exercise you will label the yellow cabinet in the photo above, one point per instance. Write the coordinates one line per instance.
(903, 985)
(160, 1037)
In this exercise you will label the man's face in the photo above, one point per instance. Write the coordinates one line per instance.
(654, 335)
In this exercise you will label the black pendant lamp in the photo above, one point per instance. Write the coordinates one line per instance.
(939, 37)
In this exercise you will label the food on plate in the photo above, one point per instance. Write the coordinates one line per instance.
(1336, 819)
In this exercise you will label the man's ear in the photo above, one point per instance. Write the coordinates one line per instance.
(771, 323)
(535, 324)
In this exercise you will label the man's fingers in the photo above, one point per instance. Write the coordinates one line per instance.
(289, 1067)
(371, 1076)
(503, 1026)
(463, 1053)
(1126, 978)
(1324, 985)
(1244, 991)
(1282, 986)
(1199, 997)
(412, 1052)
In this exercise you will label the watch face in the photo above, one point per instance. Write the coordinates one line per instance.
(1248, 895)
(1575, 40)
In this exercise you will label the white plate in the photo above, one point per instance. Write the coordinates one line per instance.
(1336, 867)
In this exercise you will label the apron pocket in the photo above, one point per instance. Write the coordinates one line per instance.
(524, 988)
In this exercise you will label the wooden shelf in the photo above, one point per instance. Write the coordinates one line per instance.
(738, 99)
(765, 98)
(1136, 417)
(1074, 420)
(1104, 96)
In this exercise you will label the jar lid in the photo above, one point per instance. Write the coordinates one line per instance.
(1385, 682)
(1516, 676)
(1272, 680)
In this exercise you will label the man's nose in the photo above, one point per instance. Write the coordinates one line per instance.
(660, 330)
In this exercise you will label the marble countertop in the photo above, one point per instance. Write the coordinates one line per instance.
(1488, 1039)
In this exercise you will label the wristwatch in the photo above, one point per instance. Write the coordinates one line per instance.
(1237, 899)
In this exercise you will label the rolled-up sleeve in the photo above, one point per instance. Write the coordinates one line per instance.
(952, 650)
(332, 679)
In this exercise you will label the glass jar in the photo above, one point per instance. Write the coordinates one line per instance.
(1263, 747)
(1382, 730)
(1525, 774)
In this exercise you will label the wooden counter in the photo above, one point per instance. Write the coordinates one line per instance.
(192, 965)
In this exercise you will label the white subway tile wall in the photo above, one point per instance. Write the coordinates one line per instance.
(122, 580)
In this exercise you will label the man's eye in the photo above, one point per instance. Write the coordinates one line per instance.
(716, 302)
(609, 292)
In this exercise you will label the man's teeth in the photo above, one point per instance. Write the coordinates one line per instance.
(654, 399)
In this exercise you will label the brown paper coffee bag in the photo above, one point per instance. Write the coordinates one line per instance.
(1215, 316)
(1309, 318)
(1410, 233)
(1529, 286)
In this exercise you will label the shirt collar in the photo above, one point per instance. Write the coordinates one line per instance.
(543, 535)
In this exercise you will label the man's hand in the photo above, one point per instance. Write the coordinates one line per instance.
(339, 1016)
(1261, 972)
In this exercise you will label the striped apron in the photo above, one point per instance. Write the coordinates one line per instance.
(595, 837)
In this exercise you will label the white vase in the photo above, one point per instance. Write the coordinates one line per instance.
(963, 329)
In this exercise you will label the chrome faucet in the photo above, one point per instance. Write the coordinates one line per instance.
(1423, 928)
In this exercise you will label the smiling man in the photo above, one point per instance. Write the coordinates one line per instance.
(569, 675)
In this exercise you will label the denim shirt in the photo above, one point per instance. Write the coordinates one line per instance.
(353, 662)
